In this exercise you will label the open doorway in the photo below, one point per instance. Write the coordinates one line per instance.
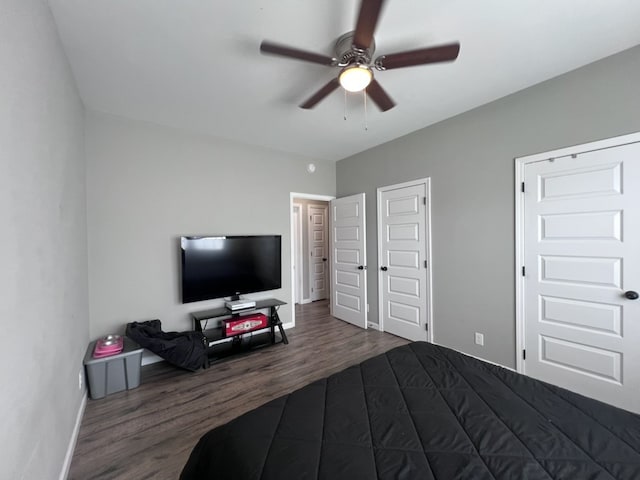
(310, 272)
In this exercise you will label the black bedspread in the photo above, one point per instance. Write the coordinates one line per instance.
(423, 412)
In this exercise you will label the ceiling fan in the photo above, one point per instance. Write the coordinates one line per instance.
(354, 55)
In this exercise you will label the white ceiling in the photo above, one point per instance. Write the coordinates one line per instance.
(196, 65)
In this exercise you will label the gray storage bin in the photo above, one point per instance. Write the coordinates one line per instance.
(115, 373)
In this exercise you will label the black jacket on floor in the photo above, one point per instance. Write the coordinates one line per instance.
(183, 349)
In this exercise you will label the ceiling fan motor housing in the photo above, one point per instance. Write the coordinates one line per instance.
(348, 54)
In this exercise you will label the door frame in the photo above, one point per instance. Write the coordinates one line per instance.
(427, 236)
(296, 233)
(520, 164)
(292, 197)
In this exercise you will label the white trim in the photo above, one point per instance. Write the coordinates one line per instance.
(379, 259)
(304, 301)
(64, 473)
(298, 273)
(519, 252)
(332, 287)
(476, 357)
(311, 196)
(520, 163)
(292, 196)
(149, 358)
(428, 251)
(429, 262)
(582, 148)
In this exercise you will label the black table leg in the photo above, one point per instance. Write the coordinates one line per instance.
(285, 340)
(275, 320)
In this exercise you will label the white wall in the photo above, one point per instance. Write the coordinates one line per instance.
(148, 185)
(470, 159)
(43, 246)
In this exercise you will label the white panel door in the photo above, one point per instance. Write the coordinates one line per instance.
(581, 254)
(403, 254)
(349, 255)
(318, 249)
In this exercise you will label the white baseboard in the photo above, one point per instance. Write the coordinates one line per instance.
(304, 301)
(148, 358)
(476, 357)
(74, 438)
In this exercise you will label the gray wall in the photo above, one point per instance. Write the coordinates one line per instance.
(148, 185)
(470, 159)
(43, 245)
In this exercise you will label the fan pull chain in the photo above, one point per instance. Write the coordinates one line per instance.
(345, 104)
(366, 127)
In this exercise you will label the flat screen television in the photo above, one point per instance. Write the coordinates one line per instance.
(223, 266)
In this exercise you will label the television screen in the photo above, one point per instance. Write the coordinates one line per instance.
(222, 266)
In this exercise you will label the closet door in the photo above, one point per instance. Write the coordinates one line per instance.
(403, 246)
(581, 219)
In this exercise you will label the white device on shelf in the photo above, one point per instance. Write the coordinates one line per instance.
(239, 304)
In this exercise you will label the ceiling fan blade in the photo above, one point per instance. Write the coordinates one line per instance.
(320, 94)
(420, 56)
(284, 51)
(379, 96)
(366, 23)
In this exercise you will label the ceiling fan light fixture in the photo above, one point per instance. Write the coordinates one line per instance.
(355, 78)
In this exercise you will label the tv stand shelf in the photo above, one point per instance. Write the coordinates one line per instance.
(221, 346)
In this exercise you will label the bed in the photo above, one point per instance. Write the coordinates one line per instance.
(422, 411)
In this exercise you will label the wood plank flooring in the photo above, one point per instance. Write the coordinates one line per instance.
(148, 432)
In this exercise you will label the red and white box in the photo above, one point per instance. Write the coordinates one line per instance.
(246, 323)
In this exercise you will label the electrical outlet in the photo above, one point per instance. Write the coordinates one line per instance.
(80, 380)
(479, 339)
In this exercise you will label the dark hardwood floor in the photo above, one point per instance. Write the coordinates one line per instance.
(148, 432)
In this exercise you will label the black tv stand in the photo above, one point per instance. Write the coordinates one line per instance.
(221, 346)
